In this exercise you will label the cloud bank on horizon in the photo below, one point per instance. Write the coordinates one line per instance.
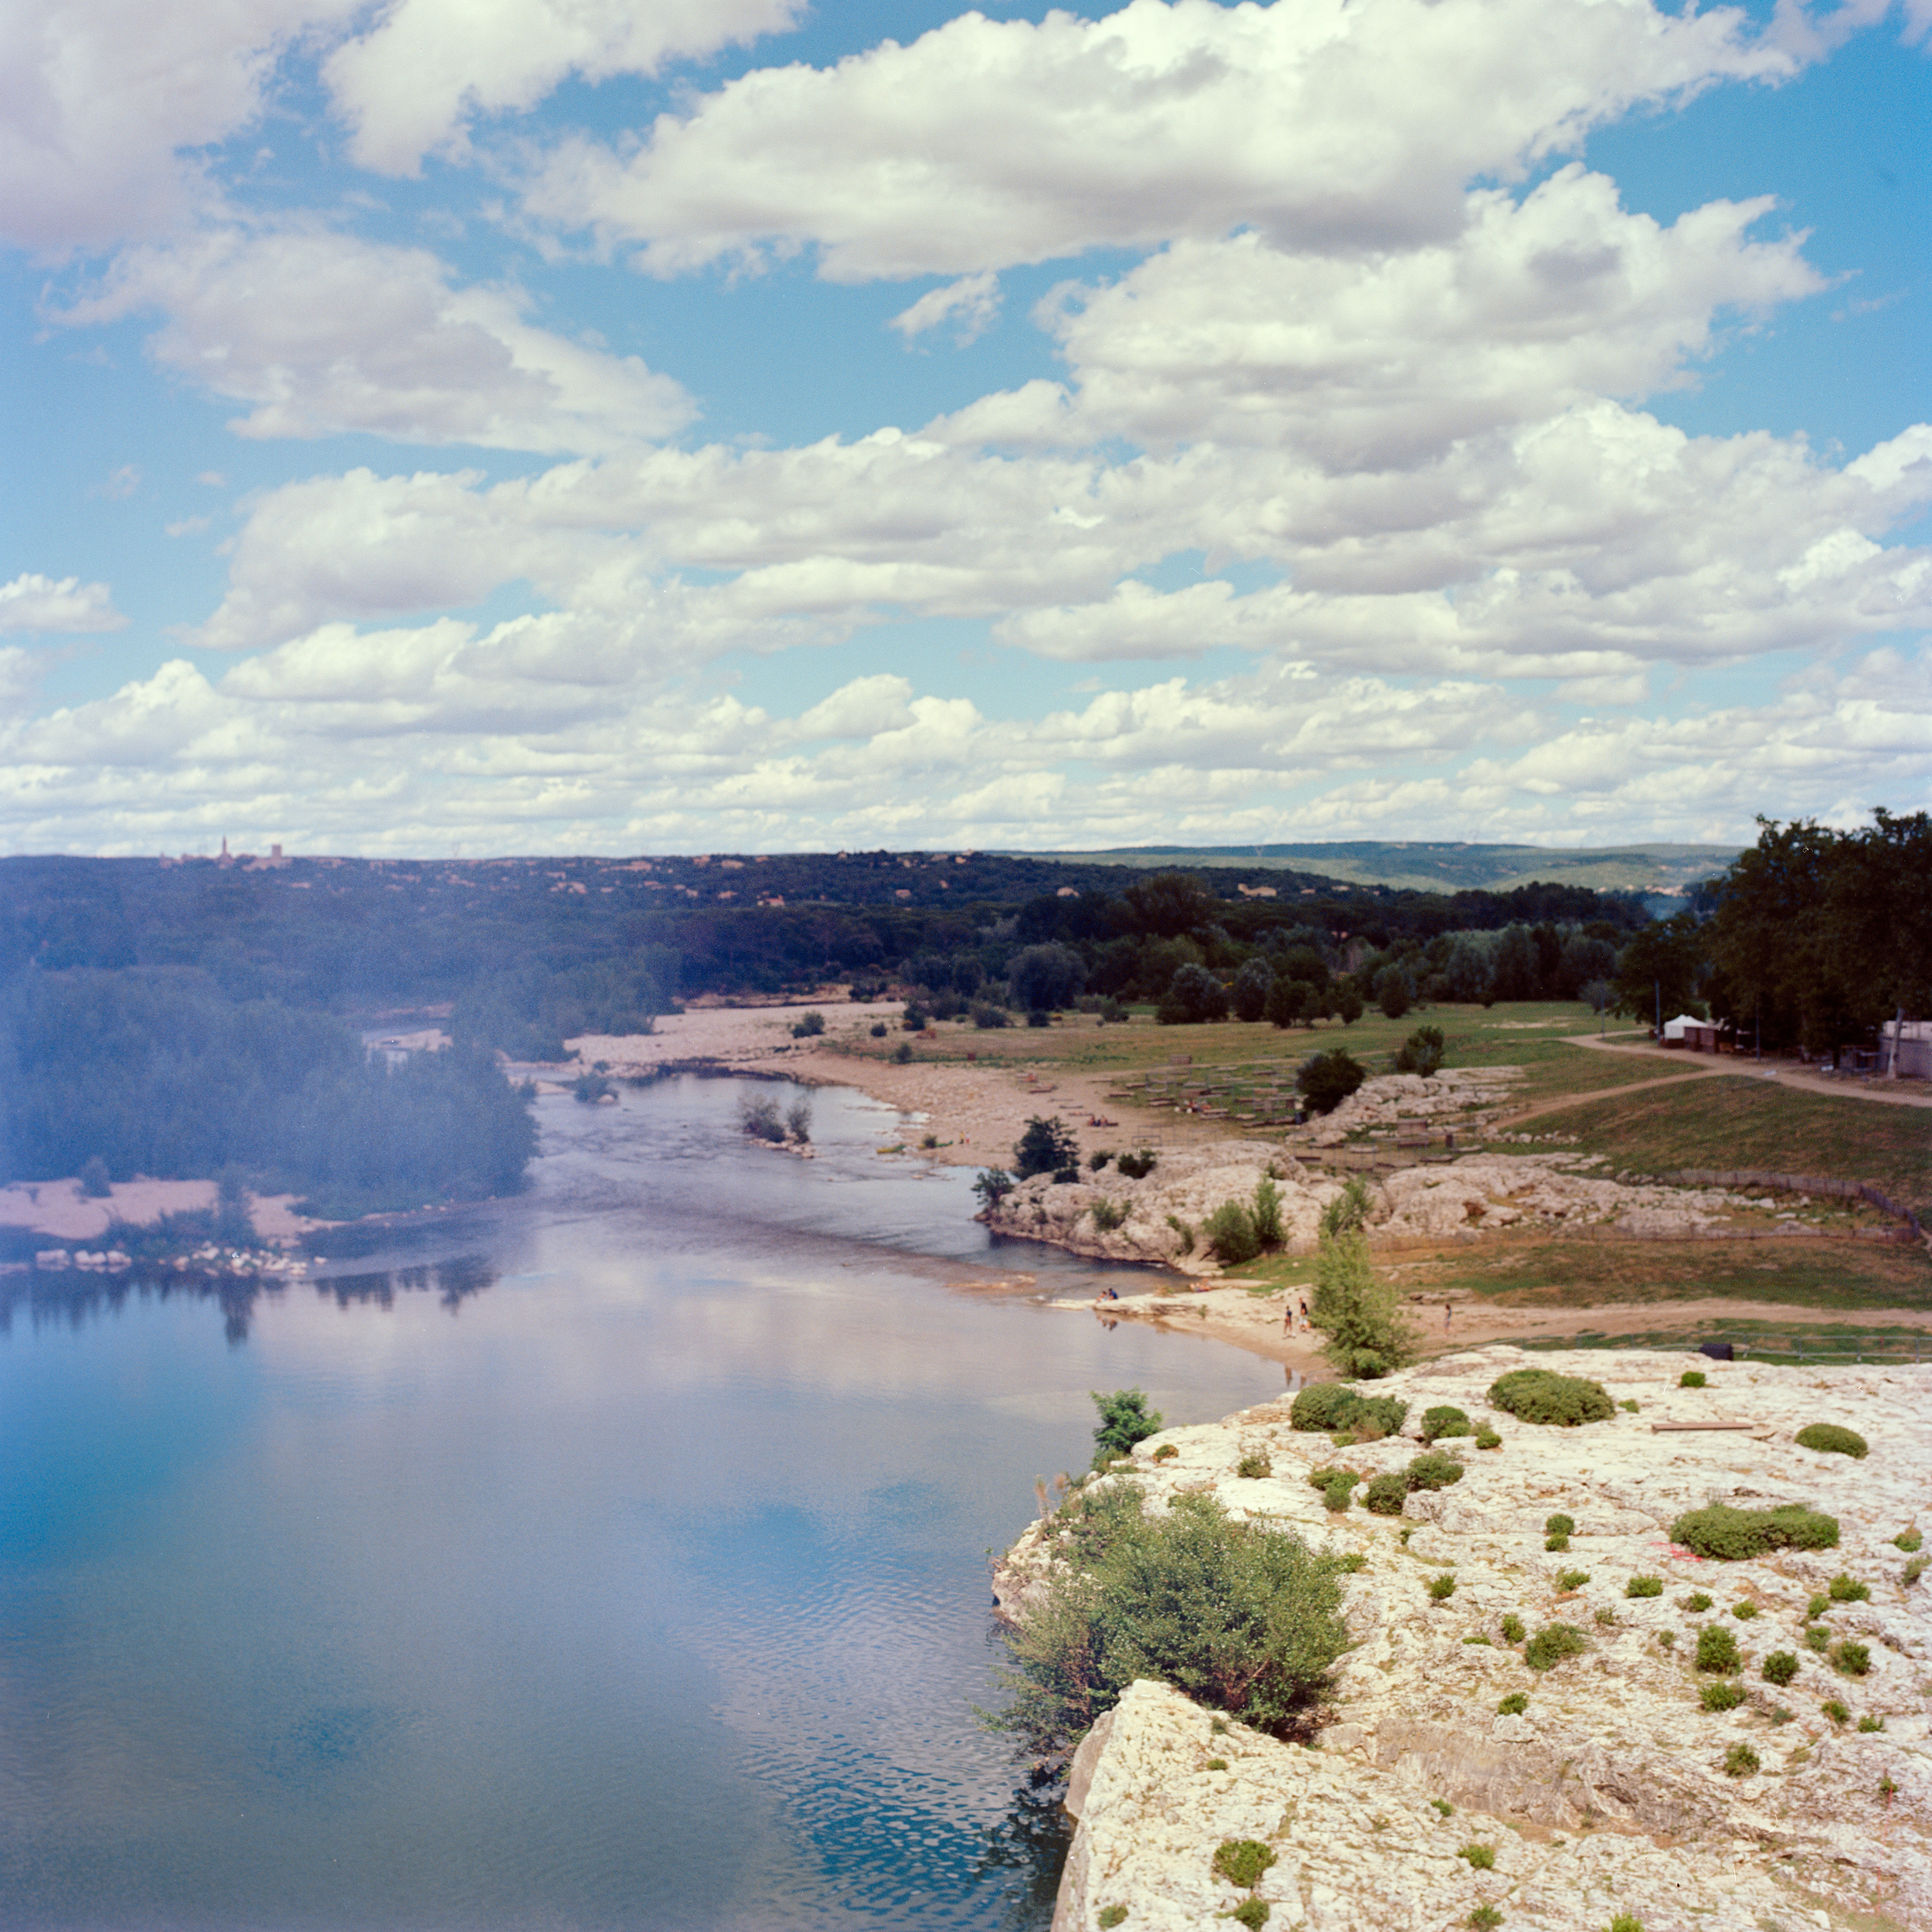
(712, 424)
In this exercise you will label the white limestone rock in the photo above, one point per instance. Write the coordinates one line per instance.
(1608, 1793)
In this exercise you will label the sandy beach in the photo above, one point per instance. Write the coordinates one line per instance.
(60, 1211)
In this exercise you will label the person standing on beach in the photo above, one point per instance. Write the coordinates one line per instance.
(1447, 1309)
(1306, 1322)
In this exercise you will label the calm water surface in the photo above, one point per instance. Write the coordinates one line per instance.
(618, 1562)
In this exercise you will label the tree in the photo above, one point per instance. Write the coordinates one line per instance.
(1289, 1000)
(1168, 904)
(992, 1186)
(1325, 1080)
(1662, 965)
(1395, 991)
(1045, 978)
(1367, 1336)
(1125, 1420)
(1252, 985)
(1348, 1002)
(1421, 1053)
(1193, 995)
(1046, 1146)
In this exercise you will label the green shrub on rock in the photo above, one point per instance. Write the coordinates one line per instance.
(1252, 1913)
(1722, 1696)
(1334, 1405)
(1386, 1494)
(1779, 1667)
(1514, 1705)
(1242, 1861)
(1740, 1761)
(1691, 1378)
(1817, 1636)
(1482, 1857)
(1231, 1233)
(1441, 1589)
(1829, 1438)
(1644, 1586)
(1512, 1628)
(1909, 1541)
(1732, 1535)
(1717, 1650)
(1111, 1915)
(1552, 1643)
(1434, 1470)
(1238, 1617)
(1558, 1525)
(1255, 1464)
(1572, 1578)
(1541, 1395)
(1444, 1420)
(1848, 1590)
(1850, 1659)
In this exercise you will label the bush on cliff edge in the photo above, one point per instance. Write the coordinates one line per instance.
(1240, 1618)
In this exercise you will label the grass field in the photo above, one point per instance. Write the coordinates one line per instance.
(1729, 1122)
(1791, 1342)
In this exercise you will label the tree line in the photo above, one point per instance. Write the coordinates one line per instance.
(1814, 938)
(158, 1071)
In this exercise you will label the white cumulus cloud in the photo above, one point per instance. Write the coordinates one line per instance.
(35, 602)
(322, 332)
(1322, 124)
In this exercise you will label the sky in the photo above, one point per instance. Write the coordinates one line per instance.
(450, 427)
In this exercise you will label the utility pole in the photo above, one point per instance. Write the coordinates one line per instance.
(1659, 986)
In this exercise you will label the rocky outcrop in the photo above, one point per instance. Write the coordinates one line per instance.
(1608, 1793)
(1159, 1217)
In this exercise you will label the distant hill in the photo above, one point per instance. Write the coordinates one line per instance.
(1431, 866)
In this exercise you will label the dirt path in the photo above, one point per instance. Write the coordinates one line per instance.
(1886, 1093)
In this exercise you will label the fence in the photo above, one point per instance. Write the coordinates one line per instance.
(1737, 1177)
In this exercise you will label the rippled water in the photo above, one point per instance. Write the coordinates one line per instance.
(617, 1561)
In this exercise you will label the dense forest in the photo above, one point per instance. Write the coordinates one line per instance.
(1811, 939)
(156, 1071)
(189, 1017)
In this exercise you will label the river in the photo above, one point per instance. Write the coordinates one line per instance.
(616, 1559)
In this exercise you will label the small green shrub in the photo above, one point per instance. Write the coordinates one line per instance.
(1108, 1214)
(1441, 1589)
(878, 1029)
(1780, 1715)
(1482, 1857)
(1850, 1659)
(1557, 1542)
(1625, 1922)
(1125, 1420)
(1512, 1629)
(1634, 1407)
(1696, 1603)
(810, 1027)
(1605, 1614)
(1835, 1710)
(1514, 1705)
(1740, 1761)
(1242, 1861)
(1487, 1438)
(1558, 1525)
(1444, 1420)
(1485, 1917)
(1848, 1590)
(1817, 1637)
(1733, 1535)
(1324, 1405)
(1434, 1470)
(1912, 1571)
(1334, 1485)
(1871, 1724)
(1255, 1464)
(1385, 1494)
(1443, 1806)
(1667, 1638)
(1644, 1586)
(1908, 1542)
(1779, 1667)
(1217, 1764)
(1252, 1913)
(1230, 1234)
(1136, 1167)
(1745, 1612)
(1691, 1378)
(1717, 1650)
(1722, 1696)
(1832, 1441)
(1167, 1452)
(1352, 1562)
(1572, 1578)
(1541, 1395)
(1111, 1915)
(1552, 1643)
(1819, 1606)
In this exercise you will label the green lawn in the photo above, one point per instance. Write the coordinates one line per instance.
(1737, 1121)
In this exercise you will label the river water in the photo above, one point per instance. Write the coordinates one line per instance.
(617, 1560)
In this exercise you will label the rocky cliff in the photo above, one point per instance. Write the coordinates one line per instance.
(1608, 1792)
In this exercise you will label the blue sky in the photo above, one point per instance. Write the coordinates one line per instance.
(690, 425)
